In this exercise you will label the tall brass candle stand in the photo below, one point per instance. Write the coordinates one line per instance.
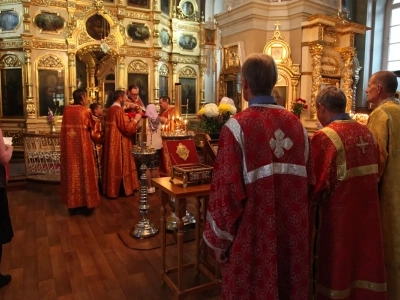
(143, 229)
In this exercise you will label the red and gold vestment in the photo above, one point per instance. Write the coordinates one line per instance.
(118, 162)
(384, 122)
(258, 209)
(347, 235)
(78, 184)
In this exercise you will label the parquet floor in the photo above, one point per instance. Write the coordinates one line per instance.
(56, 256)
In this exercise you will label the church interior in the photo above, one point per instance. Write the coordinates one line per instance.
(189, 50)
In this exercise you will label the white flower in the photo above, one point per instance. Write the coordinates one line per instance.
(211, 110)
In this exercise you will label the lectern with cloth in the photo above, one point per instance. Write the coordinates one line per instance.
(183, 152)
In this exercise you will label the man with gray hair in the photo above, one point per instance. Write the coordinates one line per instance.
(346, 232)
(257, 218)
(384, 122)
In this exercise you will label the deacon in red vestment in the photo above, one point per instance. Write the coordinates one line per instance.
(119, 170)
(257, 218)
(166, 114)
(347, 237)
(78, 185)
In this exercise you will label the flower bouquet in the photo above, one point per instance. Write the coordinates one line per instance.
(213, 117)
(52, 117)
(298, 106)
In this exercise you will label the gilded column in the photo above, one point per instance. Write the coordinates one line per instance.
(316, 54)
(295, 83)
(156, 82)
(121, 72)
(92, 79)
(347, 77)
(201, 91)
(72, 75)
(175, 79)
(30, 105)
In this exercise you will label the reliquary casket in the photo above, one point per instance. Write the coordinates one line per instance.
(185, 163)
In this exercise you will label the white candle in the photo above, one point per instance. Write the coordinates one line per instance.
(187, 107)
(340, 5)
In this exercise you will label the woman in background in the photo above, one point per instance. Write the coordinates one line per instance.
(153, 133)
(6, 230)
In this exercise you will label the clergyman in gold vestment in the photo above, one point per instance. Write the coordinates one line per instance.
(119, 170)
(79, 188)
(384, 122)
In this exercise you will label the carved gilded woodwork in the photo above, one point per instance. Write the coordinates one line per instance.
(333, 57)
(164, 71)
(11, 44)
(316, 54)
(187, 72)
(48, 3)
(48, 45)
(11, 1)
(50, 61)
(138, 15)
(29, 84)
(347, 76)
(52, 54)
(288, 72)
(138, 66)
(330, 65)
(10, 61)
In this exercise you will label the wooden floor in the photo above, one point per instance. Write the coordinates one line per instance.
(56, 256)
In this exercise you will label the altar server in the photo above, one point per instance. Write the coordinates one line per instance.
(347, 241)
(79, 188)
(257, 218)
(119, 170)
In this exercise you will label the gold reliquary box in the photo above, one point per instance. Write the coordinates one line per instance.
(185, 163)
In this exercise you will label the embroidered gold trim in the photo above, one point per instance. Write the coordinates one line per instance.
(361, 171)
(341, 155)
(342, 173)
(361, 284)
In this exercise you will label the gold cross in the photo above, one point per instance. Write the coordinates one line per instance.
(71, 133)
(277, 24)
(362, 144)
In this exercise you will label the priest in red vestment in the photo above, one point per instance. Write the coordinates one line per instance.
(257, 218)
(79, 182)
(167, 111)
(348, 260)
(119, 170)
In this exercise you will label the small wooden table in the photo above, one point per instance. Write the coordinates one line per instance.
(167, 190)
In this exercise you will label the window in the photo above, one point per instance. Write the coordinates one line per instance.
(393, 58)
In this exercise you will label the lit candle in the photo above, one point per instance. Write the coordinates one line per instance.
(185, 122)
(173, 123)
(187, 107)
